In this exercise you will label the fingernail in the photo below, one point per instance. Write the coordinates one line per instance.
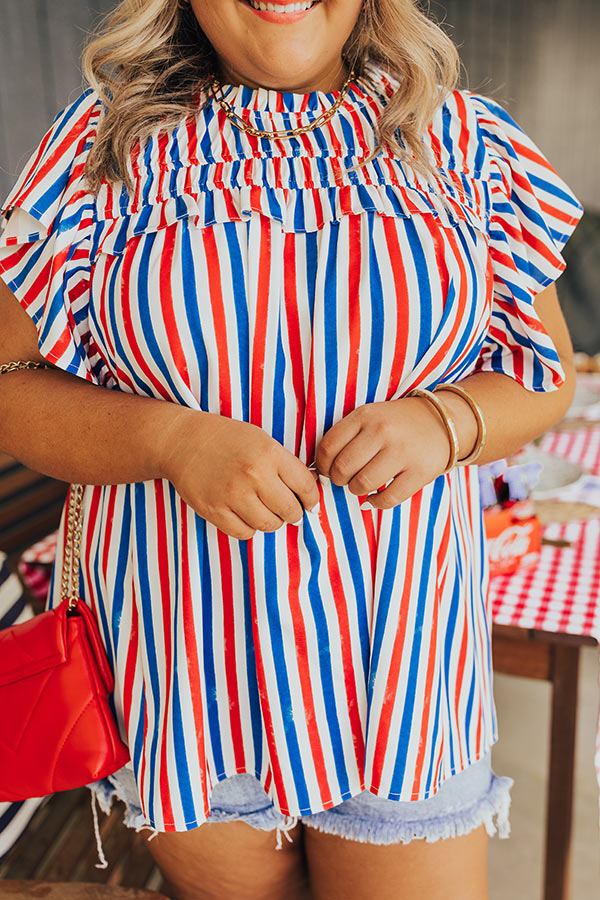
(299, 522)
(315, 510)
(366, 505)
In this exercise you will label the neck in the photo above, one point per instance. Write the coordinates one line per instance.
(332, 80)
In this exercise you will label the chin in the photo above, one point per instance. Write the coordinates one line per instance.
(285, 76)
(285, 69)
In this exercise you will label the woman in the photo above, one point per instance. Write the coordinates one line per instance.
(257, 233)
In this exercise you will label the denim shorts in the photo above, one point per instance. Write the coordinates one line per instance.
(463, 802)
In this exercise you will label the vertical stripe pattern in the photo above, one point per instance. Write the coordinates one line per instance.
(278, 284)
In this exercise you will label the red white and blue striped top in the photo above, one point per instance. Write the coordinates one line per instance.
(272, 282)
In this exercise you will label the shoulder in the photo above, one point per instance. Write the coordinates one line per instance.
(54, 172)
(528, 197)
(464, 127)
(69, 136)
(75, 119)
(457, 132)
(478, 133)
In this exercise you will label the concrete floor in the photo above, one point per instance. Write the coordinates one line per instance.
(523, 708)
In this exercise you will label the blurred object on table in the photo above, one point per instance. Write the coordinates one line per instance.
(586, 363)
(584, 412)
(586, 401)
(512, 528)
(560, 511)
(555, 473)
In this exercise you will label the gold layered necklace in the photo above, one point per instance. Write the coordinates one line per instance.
(217, 94)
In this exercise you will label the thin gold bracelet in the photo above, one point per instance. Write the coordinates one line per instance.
(445, 416)
(23, 364)
(481, 429)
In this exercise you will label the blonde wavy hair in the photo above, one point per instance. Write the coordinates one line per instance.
(149, 59)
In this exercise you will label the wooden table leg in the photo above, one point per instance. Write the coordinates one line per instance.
(559, 809)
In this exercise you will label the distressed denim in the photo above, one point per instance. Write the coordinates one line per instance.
(463, 802)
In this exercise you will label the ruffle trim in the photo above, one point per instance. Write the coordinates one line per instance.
(212, 173)
(297, 209)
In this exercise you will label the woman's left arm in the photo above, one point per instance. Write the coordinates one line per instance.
(513, 415)
(406, 440)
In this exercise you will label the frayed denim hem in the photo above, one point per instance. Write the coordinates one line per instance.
(453, 824)
(105, 792)
(121, 786)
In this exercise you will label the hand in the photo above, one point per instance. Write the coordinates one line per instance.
(234, 474)
(403, 439)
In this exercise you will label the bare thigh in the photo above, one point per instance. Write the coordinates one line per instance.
(449, 869)
(232, 861)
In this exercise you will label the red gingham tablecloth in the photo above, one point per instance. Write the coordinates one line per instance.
(561, 592)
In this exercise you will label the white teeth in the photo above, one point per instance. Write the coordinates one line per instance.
(279, 8)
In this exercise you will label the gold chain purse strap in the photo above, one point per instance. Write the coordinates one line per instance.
(70, 574)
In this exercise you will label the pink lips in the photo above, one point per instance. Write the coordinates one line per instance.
(282, 18)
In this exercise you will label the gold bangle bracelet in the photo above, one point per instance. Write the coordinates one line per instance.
(23, 364)
(481, 429)
(445, 417)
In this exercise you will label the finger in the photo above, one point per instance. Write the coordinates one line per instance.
(375, 474)
(253, 511)
(357, 457)
(283, 502)
(300, 480)
(233, 525)
(402, 487)
(334, 440)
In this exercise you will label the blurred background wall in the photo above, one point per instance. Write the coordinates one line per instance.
(540, 59)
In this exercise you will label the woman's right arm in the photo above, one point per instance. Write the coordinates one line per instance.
(70, 429)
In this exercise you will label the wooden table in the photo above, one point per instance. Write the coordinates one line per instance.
(530, 653)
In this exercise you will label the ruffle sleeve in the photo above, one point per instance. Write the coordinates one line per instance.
(533, 213)
(48, 220)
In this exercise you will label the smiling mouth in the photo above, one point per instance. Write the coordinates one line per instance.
(280, 8)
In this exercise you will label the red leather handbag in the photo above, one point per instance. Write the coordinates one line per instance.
(57, 730)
